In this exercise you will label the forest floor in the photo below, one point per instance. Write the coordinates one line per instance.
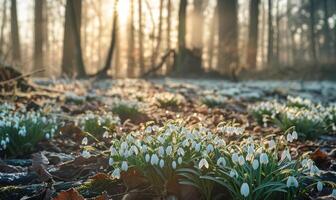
(69, 161)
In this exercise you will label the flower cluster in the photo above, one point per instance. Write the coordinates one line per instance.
(309, 119)
(21, 130)
(168, 100)
(99, 125)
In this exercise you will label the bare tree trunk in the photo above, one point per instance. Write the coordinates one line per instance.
(213, 28)
(2, 29)
(38, 34)
(228, 36)
(103, 72)
(130, 32)
(262, 42)
(197, 26)
(169, 11)
(292, 46)
(182, 15)
(16, 49)
(141, 49)
(277, 57)
(156, 50)
(270, 34)
(312, 31)
(252, 48)
(327, 53)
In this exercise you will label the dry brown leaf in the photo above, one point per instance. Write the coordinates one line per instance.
(71, 194)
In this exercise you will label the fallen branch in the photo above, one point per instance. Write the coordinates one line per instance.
(159, 65)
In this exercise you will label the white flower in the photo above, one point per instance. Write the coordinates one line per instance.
(185, 143)
(169, 150)
(233, 173)
(106, 134)
(295, 135)
(255, 164)
(161, 163)
(111, 161)
(161, 151)
(124, 166)
(180, 151)
(244, 190)
(47, 136)
(113, 151)
(154, 159)
(271, 144)
(174, 164)
(203, 163)
(290, 137)
(85, 141)
(116, 173)
(241, 160)
(147, 157)
(198, 147)
(221, 162)
(235, 157)
(314, 170)
(292, 182)
(179, 160)
(7, 139)
(263, 158)
(86, 154)
(285, 154)
(134, 149)
(319, 186)
(333, 193)
(210, 148)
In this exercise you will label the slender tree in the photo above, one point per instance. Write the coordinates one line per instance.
(270, 33)
(168, 33)
(211, 44)
(197, 26)
(2, 29)
(327, 33)
(38, 34)
(312, 31)
(130, 40)
(16, 49)
(182, 18)
(141, 48)
(228, 36)
(252, 48)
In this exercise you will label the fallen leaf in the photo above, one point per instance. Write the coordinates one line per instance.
(70, 194)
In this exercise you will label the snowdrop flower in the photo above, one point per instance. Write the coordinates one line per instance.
(244, 190)
(221, 162)
(233, 173)
(47, 136)
(86, 154)
(124, 166)
(314, 170)
(241, 160)
(116, 173)
(174, 164)
(203, 163)
(161, 163)
(290, 138)
(285, 154)
(180, 151)
(169, 150)
(198, 147)
(7, 139)
(210, 148)
(292, 182)
(154, 159)
(134, 149)
(333, 193)
(106, 134)
(147, 157)
(255, 164)
(144, 148)
(161, 151)
(319, 186)
(179, 160)
(111, 161)
(295, 135)
(271, 144)
(113, 151)
(235, 157)
(185, 143)
(263, 158)
(85, 141)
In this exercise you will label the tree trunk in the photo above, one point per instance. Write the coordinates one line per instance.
(213, 28)
(72, 60)
(156, 50)
(141, 49)
(103, 72)
(312, 32)
(270, 34)
(169, 11)
(130, 33)
(197, 26)
(2, 29)
(228, 36)
(277, 57)
(38, 34)
(252, 48)
(327, 53)
(182, 17)
(16, 50)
